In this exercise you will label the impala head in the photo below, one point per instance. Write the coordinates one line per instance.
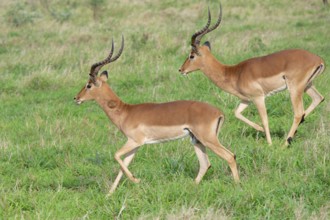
(199, 52)
(95, 83)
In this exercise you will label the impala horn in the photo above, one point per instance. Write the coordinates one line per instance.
(97, 66)
(196, 38)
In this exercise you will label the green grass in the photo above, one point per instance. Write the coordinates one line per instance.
(56, 158)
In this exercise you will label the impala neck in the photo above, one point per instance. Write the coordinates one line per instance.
(222, 75)
(112, 105)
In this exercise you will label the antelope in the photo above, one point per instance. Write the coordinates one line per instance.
(150, 123)
(254, 79)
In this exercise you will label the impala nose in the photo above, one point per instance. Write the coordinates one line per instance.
(76, 99)
(183, 72)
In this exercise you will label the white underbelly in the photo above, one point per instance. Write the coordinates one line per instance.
(160, 134)
(280, 89)
(274, 84)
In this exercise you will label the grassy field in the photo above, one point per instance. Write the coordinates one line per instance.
(56, 158)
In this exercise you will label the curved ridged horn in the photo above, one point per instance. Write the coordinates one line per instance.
(195, 35)
(196, 38)
(120, 50)
(97, 66)
(199, 37)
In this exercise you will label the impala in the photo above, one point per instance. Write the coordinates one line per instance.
(254, 79)
(149, 123)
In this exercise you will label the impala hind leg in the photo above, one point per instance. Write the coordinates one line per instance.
(127, 160)
(260, 104)
(129, 147)
(298, 111)
(224, 153)
(204, 163)
(213, 144)
(317, 98)
(238, 113)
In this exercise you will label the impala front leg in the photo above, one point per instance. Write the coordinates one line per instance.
(238, 113)
(127, 160)
(127, 149)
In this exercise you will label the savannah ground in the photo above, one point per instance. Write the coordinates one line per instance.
(57, 158)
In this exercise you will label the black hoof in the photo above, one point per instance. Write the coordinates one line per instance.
(302, 119)
(289, 140)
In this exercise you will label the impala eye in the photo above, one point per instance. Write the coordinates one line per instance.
(89, 86)
(192, 57)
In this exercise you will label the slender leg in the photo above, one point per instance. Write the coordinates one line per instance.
(317, 98)
(242, 106)
(260, 104)
(127, 160)
(214, 144)
(224, 153)
(298, 110)
(126, 149)
(203, 159)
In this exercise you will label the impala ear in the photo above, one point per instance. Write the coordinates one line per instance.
(208, 44)
(104, 75)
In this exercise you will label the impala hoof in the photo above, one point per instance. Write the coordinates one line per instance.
(289, 140)
(302, 119)
(135, 180)
(108, 195)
